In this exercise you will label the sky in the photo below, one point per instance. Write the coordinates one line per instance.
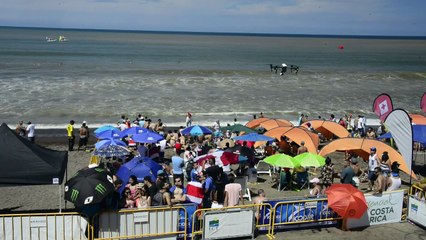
(333, 17)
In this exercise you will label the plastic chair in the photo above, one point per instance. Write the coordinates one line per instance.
(244, 189)
(263, 168)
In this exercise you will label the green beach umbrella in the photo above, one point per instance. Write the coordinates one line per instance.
(280, 160)
(238, 128)
(308, 159)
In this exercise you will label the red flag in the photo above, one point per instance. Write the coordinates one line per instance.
(382, 106)
(194, 192)
(423, 103)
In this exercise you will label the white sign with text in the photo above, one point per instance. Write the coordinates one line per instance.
(384, 208)
(417, 211)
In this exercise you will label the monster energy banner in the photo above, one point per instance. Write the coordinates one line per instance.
(307, 213)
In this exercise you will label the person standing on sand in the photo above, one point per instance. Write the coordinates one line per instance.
(188, 119)
(84, 136)
(31, 132)
(302, 148)
(71, 135)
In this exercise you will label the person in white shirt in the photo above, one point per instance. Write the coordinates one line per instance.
(31, 132)
(373, 162)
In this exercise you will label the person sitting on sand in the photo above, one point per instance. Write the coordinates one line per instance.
(380, 182)
(316, 190)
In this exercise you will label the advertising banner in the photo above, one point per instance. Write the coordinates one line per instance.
(384, 208)
(228, 224)
(417, 211)
(302, 212)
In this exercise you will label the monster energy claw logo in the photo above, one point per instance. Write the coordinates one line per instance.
(100, 188)
(74, 195)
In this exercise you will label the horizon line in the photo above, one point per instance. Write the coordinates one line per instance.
(364, 36)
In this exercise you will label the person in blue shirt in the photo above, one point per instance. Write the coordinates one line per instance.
(208, 187)
(178, 166)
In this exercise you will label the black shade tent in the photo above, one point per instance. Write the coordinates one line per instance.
(26, 163)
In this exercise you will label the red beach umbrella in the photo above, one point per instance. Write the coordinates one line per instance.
(346, 200)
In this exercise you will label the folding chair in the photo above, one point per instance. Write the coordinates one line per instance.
(263, 168)
(244, 189)
(302, 179)
(284, 180)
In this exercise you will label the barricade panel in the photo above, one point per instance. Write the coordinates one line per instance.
(150, 223)
(259, 209)
(417, 206)
(43, 226)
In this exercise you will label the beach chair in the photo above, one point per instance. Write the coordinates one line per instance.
(284, 181)
(302, 179)
(244, 189)
(263, 168)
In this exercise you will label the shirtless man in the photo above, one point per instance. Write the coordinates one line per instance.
(261, 197)
(380, 182)
(302, 148)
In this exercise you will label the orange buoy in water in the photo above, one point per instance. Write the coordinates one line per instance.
(341, 47)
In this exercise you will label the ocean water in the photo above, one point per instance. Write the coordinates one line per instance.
(98, 75)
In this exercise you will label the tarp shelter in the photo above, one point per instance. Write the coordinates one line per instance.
(419, 134)
(328, 128)
(361, 147)
(26, 163)
(295, 134)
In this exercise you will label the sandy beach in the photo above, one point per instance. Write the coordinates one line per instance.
(15, 199)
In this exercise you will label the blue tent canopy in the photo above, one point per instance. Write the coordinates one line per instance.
(419, 134)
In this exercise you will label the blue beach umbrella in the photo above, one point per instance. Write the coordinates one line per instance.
(196, 130)
(109, 142)
(135, 167)
(111, 148)
(253, 137)
(133, 131)
(147, 137)
(104, 128)
(109, 134)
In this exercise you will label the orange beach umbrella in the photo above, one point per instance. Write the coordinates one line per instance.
(418, 119)
(362, 146)
(273, 123)
(297, 135)
(346, 200)
(255, 122)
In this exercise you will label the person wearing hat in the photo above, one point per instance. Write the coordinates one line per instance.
(317, 188)
(161, 178)
(84, 136)
(385, 164)
(71, 135)
(373, 163)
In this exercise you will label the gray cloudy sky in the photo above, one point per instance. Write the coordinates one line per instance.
(342, 17)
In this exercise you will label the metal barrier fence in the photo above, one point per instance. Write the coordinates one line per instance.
(147, 223)
(300, 211)
(417, 191)
(197, 222)
(43, 226)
